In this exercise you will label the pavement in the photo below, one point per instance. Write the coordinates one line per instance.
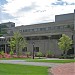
(23, 62)
(64, 69)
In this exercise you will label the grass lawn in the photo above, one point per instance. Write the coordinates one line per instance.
(13, 69)
(52, 61)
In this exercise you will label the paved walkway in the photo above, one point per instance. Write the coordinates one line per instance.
(29, 63)
(64, 69)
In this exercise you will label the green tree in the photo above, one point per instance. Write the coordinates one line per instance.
(12, 44)
(65, 44)
(18, 42)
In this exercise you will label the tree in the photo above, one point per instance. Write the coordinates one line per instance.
(17, 41)
(12, 45)
(65, 44)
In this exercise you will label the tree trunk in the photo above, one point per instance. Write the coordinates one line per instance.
(65, 54)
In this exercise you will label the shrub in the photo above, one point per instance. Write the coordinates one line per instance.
(67, 57)
(39, 54)
(27, 54)
(7, 55)
(1, 56)
(49, 54)
(2, 53)
(11, 53)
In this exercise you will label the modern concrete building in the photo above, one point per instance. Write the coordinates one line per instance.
(45, 36)
(6, 32)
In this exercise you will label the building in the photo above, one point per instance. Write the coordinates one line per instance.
(4, 27)
(5, 31)
(45, 36)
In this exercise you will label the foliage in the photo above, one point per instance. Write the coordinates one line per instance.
(12, 44)
(65, 43)
(39, 54)
(17, 41)
(49, 54)
(27, 54)
(1, 34)
(2, 53)
(11, 52)
(67, 57)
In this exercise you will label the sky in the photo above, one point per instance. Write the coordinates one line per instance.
(26, 12)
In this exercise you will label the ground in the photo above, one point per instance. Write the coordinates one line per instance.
(57, 66)
(64, 69)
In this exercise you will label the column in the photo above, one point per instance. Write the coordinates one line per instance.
(5, 48)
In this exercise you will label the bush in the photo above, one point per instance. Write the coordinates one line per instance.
(27, 54)
(49, 54)
(7, 55)
(67, 57)
(2, 53)
(11, 53)
(39, 54)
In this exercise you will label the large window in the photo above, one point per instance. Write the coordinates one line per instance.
(55, 36)
(36, 49)
(47, 28)
(44, 37)
(24, 49)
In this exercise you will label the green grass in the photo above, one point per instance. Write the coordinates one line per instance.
(52, 61)
(13, 69)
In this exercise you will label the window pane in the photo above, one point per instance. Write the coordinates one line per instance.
(24, 49)
(36, 49)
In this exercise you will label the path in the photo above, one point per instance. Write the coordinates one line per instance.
(29, 63)
(64, 69)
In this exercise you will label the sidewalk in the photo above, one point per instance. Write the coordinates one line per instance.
(64, 69)
(23, 62)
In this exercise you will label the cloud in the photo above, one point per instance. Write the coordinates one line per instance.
(69, 1)
(64, 2)
(36, 11)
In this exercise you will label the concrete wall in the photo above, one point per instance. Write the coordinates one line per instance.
(64, 17)
(54, 29)
(45, 46)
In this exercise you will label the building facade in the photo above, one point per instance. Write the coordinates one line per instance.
(45, 36)
(6, 32)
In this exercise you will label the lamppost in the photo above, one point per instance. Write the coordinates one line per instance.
(33, 49)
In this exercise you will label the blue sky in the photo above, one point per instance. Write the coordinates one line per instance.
(26, 12)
